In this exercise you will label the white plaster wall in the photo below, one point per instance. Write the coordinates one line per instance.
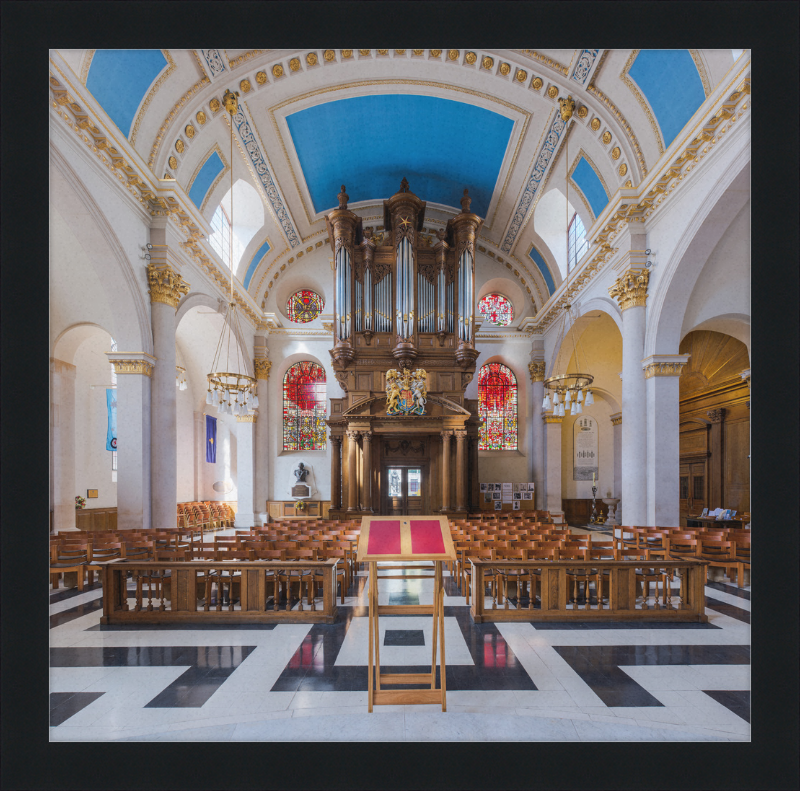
(601, 412)
(92, 460)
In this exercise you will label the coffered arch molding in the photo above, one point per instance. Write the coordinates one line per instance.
(69, 194)
(667, 305)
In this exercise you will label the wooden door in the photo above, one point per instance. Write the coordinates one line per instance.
(693, 488)
(404, 494)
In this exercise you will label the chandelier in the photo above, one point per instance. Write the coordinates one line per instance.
(567, 392)
(230, 388)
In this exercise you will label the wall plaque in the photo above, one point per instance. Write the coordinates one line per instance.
(584, 449)
(301, 490)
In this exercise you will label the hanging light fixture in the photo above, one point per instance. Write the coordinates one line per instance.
(230, 388)
(180, 378)
(567, 388)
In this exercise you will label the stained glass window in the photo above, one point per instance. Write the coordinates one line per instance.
(497, 310)
(304, 306)
(497, 407)
(304, 402)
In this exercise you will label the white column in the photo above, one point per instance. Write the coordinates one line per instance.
(62, 457)
(245, 516)
(662, 373)
(552, 464)
(134, 376)
(616, 422)
(166, 287)
(262, 436)
(631, 291)
(536, 465)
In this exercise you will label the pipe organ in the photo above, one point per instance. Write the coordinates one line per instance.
(404, 302)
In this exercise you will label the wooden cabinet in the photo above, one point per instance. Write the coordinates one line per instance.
(96, 518)
(579, 511)
(281, 509)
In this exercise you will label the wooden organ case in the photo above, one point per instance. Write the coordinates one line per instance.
(403, 304)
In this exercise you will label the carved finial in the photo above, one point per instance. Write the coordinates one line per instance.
(404, 185)
(567, 108)
(465, 202)
(229, 100)
(343, 198)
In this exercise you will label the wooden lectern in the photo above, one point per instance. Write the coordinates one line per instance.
(404, 539)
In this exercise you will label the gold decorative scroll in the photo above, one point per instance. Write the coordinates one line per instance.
(630, 290)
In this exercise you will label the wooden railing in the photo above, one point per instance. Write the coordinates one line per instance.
(217, 592)
(619, 595)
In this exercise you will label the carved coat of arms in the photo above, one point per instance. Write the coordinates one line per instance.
(406, 392)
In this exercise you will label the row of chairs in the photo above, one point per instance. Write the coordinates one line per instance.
(206, 515)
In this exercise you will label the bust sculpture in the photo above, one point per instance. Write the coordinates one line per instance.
(300, 473)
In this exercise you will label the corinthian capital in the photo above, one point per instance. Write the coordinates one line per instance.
(262, 367)
(537, 370)
(166, 285)
(630, 290)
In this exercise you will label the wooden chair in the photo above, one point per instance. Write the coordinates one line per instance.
(507, 574)
(65, 559)
(578, 576)
(99, 554)
(535, 574)
(719, 554)
(342, 572)
(741, 554)
(648, 574)
(288, 576)
(489, 575)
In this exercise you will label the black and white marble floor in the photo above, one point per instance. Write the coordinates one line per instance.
(506, 682)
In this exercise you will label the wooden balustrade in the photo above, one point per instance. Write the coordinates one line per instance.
(619, 588)
(230, 591)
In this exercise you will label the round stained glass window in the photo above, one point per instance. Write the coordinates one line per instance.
(497, 310)
(304, 306)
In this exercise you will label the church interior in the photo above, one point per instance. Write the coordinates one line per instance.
(296, 293)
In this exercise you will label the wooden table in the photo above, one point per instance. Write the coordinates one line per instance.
(707, 521)
(405, 539)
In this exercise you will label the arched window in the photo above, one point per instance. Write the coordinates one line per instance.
(304, 402)
(221, 237)
(304, 306)
(497, 407)
(497, 310)
(577, 242)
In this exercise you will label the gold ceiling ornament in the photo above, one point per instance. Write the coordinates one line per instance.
(179, 146)
(471, 58)
(261, 77)
(628, 184)
(173, 163)
(383, 51)
(452, 54)
(277, 70)
(505, 69)
(552, 91)
(400, 52)
(630, 290)
(189, 131)
(347, 53)
(623, 169)
(521, 75)
(487, 62)
(294, 64)
(363, 52)
(606, 138)
(329, 55)
(537, 83)
(200, 117)
(311, 59)
(165, 285)
(418, 52)
(214, 105)
(245, 86)
(230, 388)
(262, 367)
(583, 111)
(536, 369)
(615, 153)
(435, 53)
(595, 124)
(567, 107)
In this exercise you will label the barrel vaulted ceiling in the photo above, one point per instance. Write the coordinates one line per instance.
(486, 120)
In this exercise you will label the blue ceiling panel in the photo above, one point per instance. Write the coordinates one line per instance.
(120, 78)
(590, 185)
(260, 253)
(212, 167)
(537, 259)
(669, 80)
(370, 143)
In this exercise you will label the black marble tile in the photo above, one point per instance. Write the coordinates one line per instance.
(65, 616)
(599, 666)
(404, 637)
(728, 609)
(738, 701)
(182, 627)
(64, 704)
(62, 594)
(584, 626)
(403, 598)
(732, 590)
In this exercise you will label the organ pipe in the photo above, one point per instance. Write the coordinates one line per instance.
(368, 299)
(405, 289)
(343, 298)
(359, 304)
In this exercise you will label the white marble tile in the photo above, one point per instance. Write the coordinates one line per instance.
(344, 728)
(486, 727)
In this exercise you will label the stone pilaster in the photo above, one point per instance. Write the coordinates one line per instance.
(245, 479)
(446, 437)
(62, 457)
(461, 469)
(263, 453)
(352, 470)
(552, 448)
(537, 369)
(366, 477)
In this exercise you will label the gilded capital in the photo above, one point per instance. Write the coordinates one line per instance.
(461, 434)
(165, 284)
(552, 418)
(247, 419)
(616, 420)
(630, 290)
(716, 415)
(132, 366)
(262, 367)
(537, 370)
(663, 369)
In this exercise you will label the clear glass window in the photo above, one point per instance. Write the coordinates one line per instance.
(577, 242)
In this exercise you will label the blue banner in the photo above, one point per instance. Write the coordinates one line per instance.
(211, 439)
(111, 404)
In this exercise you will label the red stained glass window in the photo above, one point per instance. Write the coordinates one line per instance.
(304, 306)
(304, 407)
(497, 407)
(497, 310)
